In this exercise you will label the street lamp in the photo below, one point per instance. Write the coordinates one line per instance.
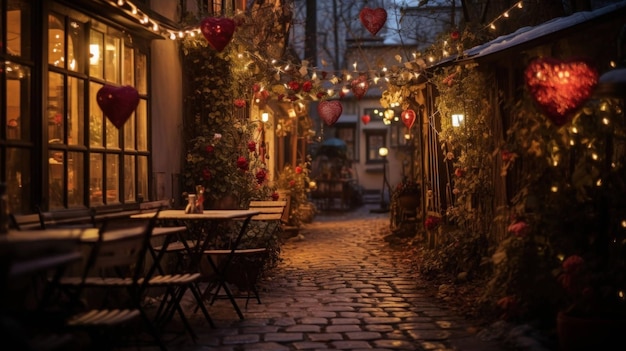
(384, 206)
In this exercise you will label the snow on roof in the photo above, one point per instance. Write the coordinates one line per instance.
(526, 34)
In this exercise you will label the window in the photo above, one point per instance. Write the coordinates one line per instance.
(71, 155)
(16, 137)
(374, 140)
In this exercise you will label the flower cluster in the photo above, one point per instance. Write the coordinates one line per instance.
(432, 222)
(408, 186)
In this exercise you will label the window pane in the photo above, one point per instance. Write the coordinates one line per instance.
(142, 126)
(56, 40)
(56, 120)
(96, 54)
(112, 174)
(142, 177)
(75, 176)
(76, 111)
(18, 28)
(112, 135)
(141, 79)
(56, 179)
(96, 117)
(75, 46)
(374, 142)
(18, 179)
(129, 178)
(18, 100)
(95, 179)
(112, 59)
(129, 67)
(129, 133)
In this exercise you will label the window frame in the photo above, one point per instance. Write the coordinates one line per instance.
(369, 134)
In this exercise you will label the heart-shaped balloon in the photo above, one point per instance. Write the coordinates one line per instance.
(560, 87)
(373, 19)
(329, 111)
(218, 31)
(365, 119)
(359, 86)
(408, 118)
(117, 103)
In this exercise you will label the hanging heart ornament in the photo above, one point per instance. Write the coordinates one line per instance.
(373, 19)
(408, 118)
(365, 119)
(329, 111)
(117, 103)
(560, 87)
(218, 31)
(359, 86)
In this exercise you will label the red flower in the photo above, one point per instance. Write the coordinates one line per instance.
(307, 86)
(432, 222)
(459, 172)
(507, 155)
(240, 103)
(256, 88)
(293, 85)
(573, 264)
(260, 176)
(242, 163)
(292, 183)
(519, 228)
(455, 35)
(206, 174)
(280, 97)
(251, 146)
(298, 169)
(275, 196)
(209, 148)
(320, 94)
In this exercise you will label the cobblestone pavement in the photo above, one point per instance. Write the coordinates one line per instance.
(339, 286)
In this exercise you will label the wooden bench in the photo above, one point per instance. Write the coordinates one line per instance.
(24, 221)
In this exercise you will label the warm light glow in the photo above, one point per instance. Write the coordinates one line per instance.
(292, 113)
(457, 119)
(554, 189)
(265, 117)
(383, 151)
(389, 113)
(94, 51)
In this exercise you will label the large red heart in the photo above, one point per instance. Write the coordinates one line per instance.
(366, 119)
(408, 118)
(117, 103)
(560, 87)
(359, 86)
(218, 31)
(329, 111)
(373, 19)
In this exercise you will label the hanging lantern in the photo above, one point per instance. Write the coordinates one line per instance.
(408, 118)
(365, 119)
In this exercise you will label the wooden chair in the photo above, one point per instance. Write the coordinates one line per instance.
(243, 262)
(115, 260)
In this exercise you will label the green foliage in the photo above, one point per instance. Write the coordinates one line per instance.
(296, 181)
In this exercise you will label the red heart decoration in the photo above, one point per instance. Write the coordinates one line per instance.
(329, 111)
(218, 31)
(373, 19)
(408, 118)
(365, 119)
(560, 87)
(117, 103)
(359, 86)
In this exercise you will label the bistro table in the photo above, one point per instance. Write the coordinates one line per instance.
(208, 222)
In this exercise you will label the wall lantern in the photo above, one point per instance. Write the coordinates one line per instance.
(457, 119)
(265, 117)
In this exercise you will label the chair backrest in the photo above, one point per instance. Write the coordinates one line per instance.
(24, 221)
(270, 210)
(83, 217)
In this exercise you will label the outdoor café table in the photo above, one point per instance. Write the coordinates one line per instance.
(209, 222)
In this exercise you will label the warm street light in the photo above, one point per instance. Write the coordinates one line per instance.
(265, 117)
(384, 206)
(383, 152)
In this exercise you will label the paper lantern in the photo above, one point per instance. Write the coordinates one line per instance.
(359, 86)
(408, 118)
(329, 111)
(365, 119)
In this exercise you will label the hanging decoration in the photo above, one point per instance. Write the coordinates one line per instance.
(560, 87)
(359, 86)
(329, 111)
(365, 119)
(373, 19)
(117, 103)
(408, 118)
(218, 31)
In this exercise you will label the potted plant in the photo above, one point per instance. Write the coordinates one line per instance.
(407, 194)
